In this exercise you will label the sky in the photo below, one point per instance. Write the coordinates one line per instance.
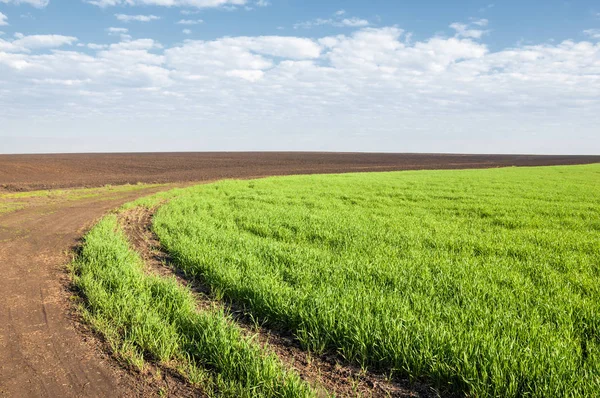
(431, 76)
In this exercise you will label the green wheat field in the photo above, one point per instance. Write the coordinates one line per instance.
(481, 283)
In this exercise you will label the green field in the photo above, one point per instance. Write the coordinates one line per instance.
(480, 282)
(142, 316)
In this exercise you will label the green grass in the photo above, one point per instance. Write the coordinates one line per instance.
(76, 193)
(8, 207)
(483, 282)
(145, 316)
(14, 201)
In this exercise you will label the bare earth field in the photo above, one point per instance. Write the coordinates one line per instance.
(29, 172)
(43, 352)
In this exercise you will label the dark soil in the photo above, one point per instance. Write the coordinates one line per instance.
(30, 172)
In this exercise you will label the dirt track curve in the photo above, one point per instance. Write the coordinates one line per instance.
(42, 353)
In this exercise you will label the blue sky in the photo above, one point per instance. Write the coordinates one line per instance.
(427, 76)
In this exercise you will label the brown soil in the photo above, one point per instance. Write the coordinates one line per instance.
(28, 172)
(327, 373)
(43, 352)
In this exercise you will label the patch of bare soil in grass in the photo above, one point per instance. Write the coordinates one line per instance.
(326, 373)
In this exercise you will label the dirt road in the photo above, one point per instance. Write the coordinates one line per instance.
(41, 352)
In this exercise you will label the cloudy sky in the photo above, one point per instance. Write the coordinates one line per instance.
(340, 75)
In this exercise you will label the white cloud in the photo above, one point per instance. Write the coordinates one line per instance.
(445, 94)
(3, 20)
(140, 44)
(94, 46)
(353, 22)
(190, 21)
(337, 21)
(593, 33)
(251, 75)
(122, 32)
(186, 32)
(481, 22)
(35, 3)
(35, 42)
(382, 51)
(243, 57)
(462, 30)
(116, 31)
(189, 12)
(276, 46)
(240, 53)
(250, 6)
(23, 43)
(166, 3)
(137, 18)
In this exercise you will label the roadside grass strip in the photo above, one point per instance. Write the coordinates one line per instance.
(144, 316)
(13, 201)
(10, 207)
(481, 282)
(76, 193)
